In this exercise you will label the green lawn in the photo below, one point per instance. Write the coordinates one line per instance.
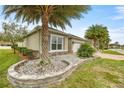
(7, 58)
(96, 74)
(111, 52)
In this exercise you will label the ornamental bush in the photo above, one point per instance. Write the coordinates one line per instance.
(14, 46)
(26, 52)
(85, 50)
(29, 54)
(21, 49)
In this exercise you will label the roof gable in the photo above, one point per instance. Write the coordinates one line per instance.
(52, 30)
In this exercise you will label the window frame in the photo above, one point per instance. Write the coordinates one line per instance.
(57, 36)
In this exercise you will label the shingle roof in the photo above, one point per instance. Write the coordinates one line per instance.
(52, 30)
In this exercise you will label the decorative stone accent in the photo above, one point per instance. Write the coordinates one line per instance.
(36, 81)
(36, 54)
(58, 53)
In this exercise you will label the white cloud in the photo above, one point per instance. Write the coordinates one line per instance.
(117, 30)
(120, 12)
(119, 17)
(78, 31)
(120, 9)
(117, 34)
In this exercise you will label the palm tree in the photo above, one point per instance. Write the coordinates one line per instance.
(99, 35)
(91, 34)
(53, 15)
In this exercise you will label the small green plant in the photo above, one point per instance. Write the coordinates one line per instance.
(29, 54)
(85, 50)
(21, 49)
(24, 51)
(44, 63)
(14, 46)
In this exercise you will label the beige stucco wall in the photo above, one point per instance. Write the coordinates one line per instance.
(25, 42)
(66, 43)
(77, 41)
(32, 41)
(20, 44)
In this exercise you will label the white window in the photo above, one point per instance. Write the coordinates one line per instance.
(56, 42)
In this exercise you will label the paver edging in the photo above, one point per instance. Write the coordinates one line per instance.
(39, 81)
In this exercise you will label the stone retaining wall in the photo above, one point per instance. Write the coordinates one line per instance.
(58, 53)
(33, 81)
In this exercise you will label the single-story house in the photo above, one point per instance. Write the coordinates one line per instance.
(115, 45)
(3, 43)
(59, 41)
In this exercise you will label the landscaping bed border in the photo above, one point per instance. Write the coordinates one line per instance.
(36, 81)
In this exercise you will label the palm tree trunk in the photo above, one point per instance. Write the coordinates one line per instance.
(94, 43)
(45, 32)
(98, 44)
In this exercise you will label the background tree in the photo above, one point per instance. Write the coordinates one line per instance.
(53, 15)
(0, 36)
(13, 33)
(99, 35)
(122, 46)
(117, 44)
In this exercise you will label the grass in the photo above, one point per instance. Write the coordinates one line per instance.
(98, 73)
(7, 58)
(112, 52)
(95, 73)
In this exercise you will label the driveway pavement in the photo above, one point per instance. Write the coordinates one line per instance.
(109, 56)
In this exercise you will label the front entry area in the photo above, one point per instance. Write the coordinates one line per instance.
(76, 46)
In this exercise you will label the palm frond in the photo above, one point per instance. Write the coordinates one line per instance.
(59, 16)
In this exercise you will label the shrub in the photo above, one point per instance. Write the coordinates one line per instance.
(85, 50)
(14, 46)
(24, 51)
(29, 54)
(21, 49)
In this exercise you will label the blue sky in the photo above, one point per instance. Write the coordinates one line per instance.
(111, 16)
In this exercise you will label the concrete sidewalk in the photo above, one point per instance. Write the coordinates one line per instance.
(118, 50)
